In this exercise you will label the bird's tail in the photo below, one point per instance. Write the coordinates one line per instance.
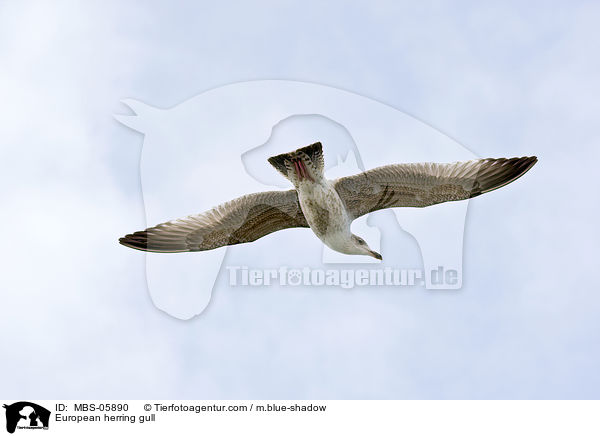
(304, 163)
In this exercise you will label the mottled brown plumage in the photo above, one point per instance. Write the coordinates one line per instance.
(328, 207)
(244, 219)
(425, 184)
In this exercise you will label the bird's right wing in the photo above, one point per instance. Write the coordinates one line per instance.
(244, 219)
(424, 184)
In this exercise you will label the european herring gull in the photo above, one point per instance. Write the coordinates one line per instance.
(328, 207)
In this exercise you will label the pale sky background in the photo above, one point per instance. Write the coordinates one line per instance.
(505, 79)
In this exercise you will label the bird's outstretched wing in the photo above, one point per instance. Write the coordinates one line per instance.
(424, 184)
(244, 219)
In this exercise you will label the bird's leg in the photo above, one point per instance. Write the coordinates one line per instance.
(301, 171)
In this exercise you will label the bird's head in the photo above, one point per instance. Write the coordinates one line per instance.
(360, 246)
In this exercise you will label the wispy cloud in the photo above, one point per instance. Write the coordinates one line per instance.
(504, 79)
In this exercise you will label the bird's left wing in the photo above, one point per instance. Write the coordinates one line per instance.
(244, 219)
(424, 184)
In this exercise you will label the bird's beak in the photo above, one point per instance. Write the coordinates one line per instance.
(375, 254)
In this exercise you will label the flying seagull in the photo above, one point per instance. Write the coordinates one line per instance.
(328, 207)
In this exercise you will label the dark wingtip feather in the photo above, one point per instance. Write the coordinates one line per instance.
(141, 241)
(137, 240)
(501, 172)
